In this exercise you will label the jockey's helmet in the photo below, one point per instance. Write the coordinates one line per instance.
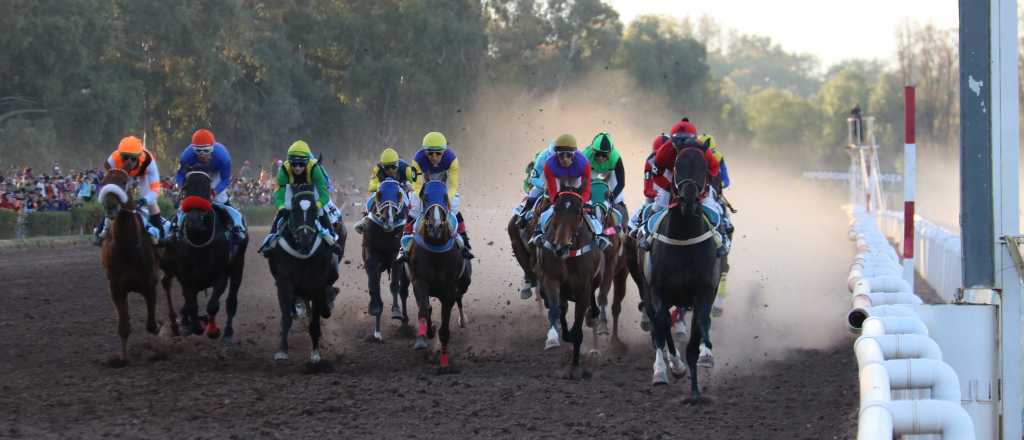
(684, 126)
(202, 138)
(389, 156)
(435, 141)
(602, 143)
(659, 140)
(565, 142)
(708, 140)
(130, 145)
(299, 149)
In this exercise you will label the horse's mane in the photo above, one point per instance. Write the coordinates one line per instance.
(115, 176)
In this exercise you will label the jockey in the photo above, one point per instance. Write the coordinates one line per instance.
(722, 182)
(300, 168)
(435, 161)
(207, 155)
(569, 170)
(141, 167)
(536, 182)
(649, 192)
(604, 158)
(683, 135)
(389, 167)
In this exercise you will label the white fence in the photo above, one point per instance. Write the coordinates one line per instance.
(936, 252)
(898, 362)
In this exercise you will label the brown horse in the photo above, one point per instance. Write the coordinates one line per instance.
(566, 263)
(525, 254)
(615, 272)
(128, 256)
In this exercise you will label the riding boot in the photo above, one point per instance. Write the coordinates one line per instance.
(99, 232)
(272, 235)
(403, 253)
(358, 227)
(466, 248)
(158, 222)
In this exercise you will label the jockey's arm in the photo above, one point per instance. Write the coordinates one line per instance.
(649, 180)
(538, 178)
(453, 179)
(320, 182)
(410, 178)
(151, 187)
(222, 160)
(417, 184)
(725, 174)
(713, 168)
(551, 181)
(187, 157)
(374, 183)
(620, 180)
(586, 184)
(282, 185)
(109, 163)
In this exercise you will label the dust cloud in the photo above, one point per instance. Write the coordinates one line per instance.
(789, 264)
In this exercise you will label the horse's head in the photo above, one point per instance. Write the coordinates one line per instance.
(690, 177)
(302, 217)
(567, 217)
(388, 206)
(113, 193)
(436, 226)
(195, 203)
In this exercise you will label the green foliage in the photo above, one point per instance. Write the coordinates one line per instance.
(85, 218)
(47, 223)
(664, 60)
(753, 61)
(840, 93)
(781, 118)
(8, 224)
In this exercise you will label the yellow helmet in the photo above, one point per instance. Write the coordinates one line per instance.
(707, 140)
(389, 156)
(300, 148)
(435, 141)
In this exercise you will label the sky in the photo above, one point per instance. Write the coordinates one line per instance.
(832, 30)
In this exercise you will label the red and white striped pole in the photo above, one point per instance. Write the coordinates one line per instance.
(909, 184)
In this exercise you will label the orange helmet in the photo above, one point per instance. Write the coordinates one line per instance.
(203, 137)
(130, 145)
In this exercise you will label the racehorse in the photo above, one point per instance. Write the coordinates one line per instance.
(436, 267)
(567, 260)
(386, 217)
(520, 236)
(615, 268)
(203, 259)
(304, 267)
(684, 267)
(128, 256)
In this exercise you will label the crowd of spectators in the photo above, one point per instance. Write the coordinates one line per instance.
(24, 189)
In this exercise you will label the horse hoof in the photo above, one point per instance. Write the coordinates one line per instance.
(677, 367)
(659, 378)
(421, 343)
(552, 343)
(645, 325)
(153, 329)
(375, 337)
(281, 356)
(213, 334)
(525, 293)
(706, 359)
(602, 328)
(314, 357)
(396, 313)
(716, 311)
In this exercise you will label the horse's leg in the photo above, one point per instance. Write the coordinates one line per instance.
(190, 311)
(287, 304)
(444, 334)
(422, 292)
(602, 298)
(660, 322)
(124, 326)
(213, 306)
(166, 282)
(702, 319)
(563, 308)
(231, 303)
(150, 296)
(319, 303)
(373, 271)
(395, 286)
(462, 315)
(583, 305)
(620, 294)
(403, 290)
(692, 350)
(552, 297)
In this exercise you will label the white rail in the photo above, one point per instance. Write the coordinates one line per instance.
(937, 252)
(894, 351)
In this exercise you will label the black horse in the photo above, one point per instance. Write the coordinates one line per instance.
(381, 241)
(304, 267)
(684, 266)
(203, 259)
(567, 261)
(436, 267)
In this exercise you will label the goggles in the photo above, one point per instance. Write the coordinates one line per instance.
(390, 167)
(600, 155)
(566, 154)
(435, 153)
(298, 161)
(130, 157)
(202, 149)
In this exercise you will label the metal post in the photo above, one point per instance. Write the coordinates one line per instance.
(909, 184)
(989, 161)
(1006, 192)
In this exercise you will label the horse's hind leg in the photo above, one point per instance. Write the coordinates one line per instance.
(287, 305)
(232, 304)
(150, 296)
(692, 350)
(620, 294)
(172, 317)
(462, 315)
(422, 291)
(213, 306)
(124, 327)
(444, 333)
(314, 329)
(575, 371)
(658, 313)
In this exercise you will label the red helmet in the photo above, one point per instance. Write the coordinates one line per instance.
(684, 126)
(202, 137)
(659, 140)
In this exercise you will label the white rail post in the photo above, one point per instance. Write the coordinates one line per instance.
(909, 184)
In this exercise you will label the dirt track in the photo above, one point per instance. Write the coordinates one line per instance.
(784, 364)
